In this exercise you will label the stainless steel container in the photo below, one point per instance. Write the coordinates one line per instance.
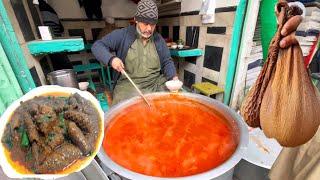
(222, 172)
(64, 77)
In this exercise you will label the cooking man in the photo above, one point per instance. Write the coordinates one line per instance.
(143, 53)
(140, 51)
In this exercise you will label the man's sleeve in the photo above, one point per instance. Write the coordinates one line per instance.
(102, 48)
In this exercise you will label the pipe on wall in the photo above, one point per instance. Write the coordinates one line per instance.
(234, 49)
(245, 49)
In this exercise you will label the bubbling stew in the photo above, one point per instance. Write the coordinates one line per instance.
(176, 137)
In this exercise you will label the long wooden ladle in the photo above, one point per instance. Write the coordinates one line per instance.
(135, 86)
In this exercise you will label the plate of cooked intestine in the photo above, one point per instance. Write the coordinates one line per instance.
(50, 132)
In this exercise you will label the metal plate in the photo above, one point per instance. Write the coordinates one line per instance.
(94, 172)
(262, 151)
(74, 176)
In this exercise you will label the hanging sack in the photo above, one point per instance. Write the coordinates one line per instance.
(283, 100)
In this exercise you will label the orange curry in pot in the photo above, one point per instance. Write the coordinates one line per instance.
(176, 137)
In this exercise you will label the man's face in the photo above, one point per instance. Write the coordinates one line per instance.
(146, 29)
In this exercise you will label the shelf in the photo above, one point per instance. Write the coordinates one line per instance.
(169, 8)
(312, 4)
(186, 53)
(39, 47)
(169, 3)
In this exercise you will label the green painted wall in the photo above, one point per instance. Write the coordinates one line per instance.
(14, 52)
(234, 51)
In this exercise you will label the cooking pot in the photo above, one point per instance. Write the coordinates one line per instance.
(63, 77)
(219, 172)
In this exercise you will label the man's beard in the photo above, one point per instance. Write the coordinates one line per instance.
(146, 34)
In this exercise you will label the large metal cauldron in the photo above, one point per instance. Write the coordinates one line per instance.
(221, 172)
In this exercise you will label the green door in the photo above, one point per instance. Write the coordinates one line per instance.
(9, 86)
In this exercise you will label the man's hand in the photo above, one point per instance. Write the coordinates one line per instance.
(117, 64)
(175, 78)
(288, 31)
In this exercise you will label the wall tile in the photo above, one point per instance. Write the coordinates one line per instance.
(175, 33)
(189, 78)
(165, 31)
(192, 36)
(216, 30)
(212, 57)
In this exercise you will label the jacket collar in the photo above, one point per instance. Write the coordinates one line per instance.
(131, 34)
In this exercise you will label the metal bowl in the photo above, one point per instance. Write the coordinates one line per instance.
(234, 119)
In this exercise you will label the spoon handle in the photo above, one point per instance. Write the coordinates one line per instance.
(140, 93)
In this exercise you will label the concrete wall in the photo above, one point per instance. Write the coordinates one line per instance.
(110, 8)
(209, 42)
(194, 70)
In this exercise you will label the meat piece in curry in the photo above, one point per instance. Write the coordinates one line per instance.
(49, 133)
(78, 138)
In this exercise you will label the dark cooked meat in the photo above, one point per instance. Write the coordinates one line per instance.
(81, 119)
(84, 105)
(46, 120)
(91, 140)
(73, 103)
(44, 150)
(48, 133)
(88, 109)
(45, 113)
(17, 118)
(79, 99)
(35, 153)
(16, 136)
(45, 109)
(33, 109)
(31, 128)
(59, 104)
(45, 123)
(60, 158)
(78, 138)
(54, 139)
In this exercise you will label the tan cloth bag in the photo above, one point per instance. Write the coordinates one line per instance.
(283, 101)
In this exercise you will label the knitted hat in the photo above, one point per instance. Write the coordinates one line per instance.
(147, 12)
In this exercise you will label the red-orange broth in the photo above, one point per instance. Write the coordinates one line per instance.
(176, 137)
